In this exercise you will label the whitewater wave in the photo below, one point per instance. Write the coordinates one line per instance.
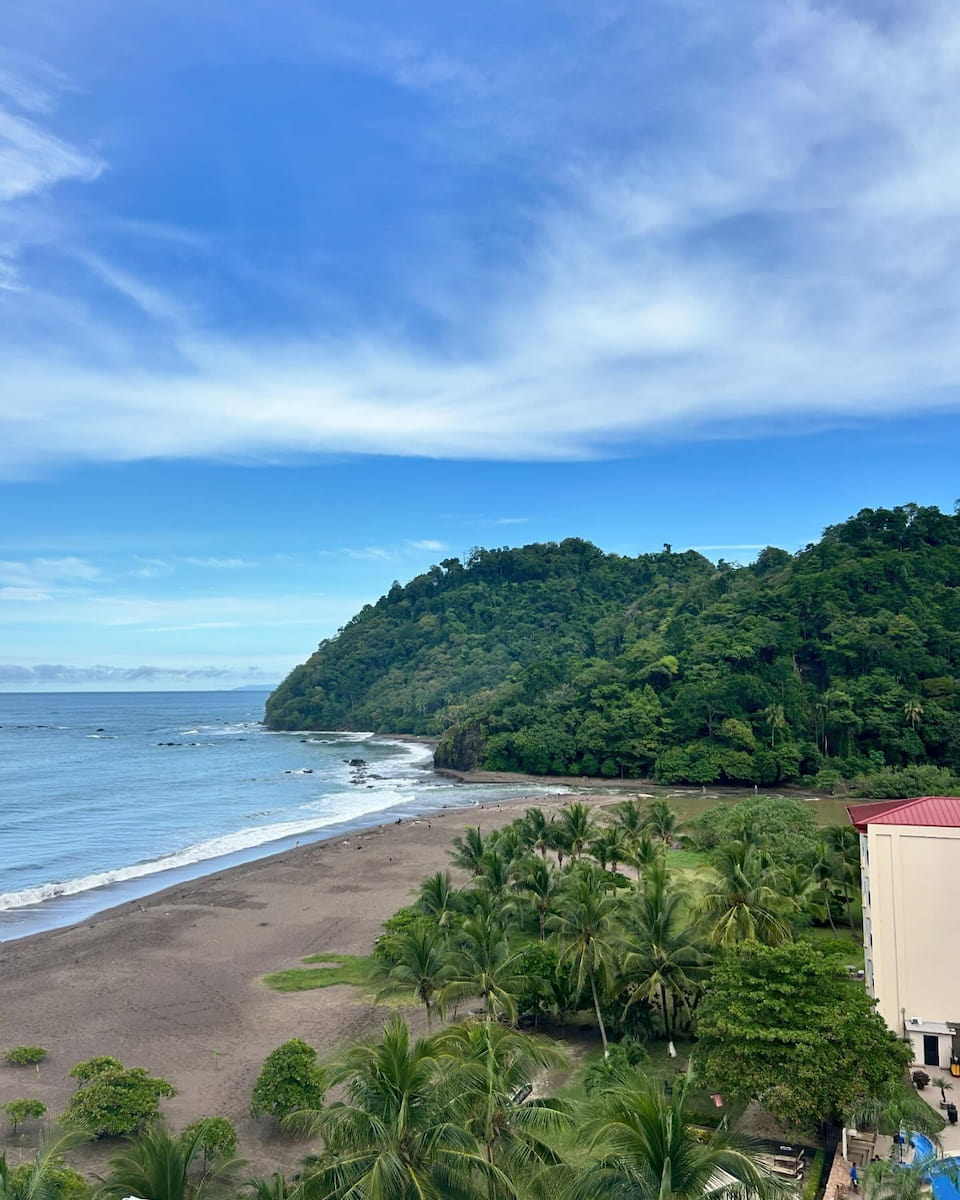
(230, 843)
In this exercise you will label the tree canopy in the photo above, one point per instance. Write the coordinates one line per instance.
(559, 658)
(785, 1026)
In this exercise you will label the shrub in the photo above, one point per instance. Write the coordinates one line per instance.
(117, 1100)
(622, 1058)
(22, 1056)
(218, 1138)
(92, 1067)
(920, 1079)
(385, 947)
(24, 1110)
(60, 1182)
(898, 783)
(290, 1080)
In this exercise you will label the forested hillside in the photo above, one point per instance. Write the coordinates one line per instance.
(559, 658)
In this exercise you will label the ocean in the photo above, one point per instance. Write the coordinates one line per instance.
(106, 797)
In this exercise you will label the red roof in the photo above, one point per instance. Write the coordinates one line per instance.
(937, 811)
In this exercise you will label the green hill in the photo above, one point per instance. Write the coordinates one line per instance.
(558, 658)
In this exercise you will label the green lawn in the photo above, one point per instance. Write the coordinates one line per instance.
(347, 969)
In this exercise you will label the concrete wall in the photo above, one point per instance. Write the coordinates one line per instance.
(911, 877)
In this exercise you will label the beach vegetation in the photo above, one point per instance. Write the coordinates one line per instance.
(24, 1056)
(323, 971)
(116, 1101)
(291, 1079)
(165, 1166)
(786, 1026)
(835, 666)
(46, 1176)
(218, 1138)
(90, 1068)
(27, 1109)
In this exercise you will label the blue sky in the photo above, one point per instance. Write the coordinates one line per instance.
(296, 299)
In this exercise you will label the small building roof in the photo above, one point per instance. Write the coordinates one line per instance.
(937, 811)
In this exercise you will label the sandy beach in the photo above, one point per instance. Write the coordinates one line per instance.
(173, 982)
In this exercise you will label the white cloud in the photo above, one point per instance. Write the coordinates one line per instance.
(784, 249)
(428, 544)
(221, 564)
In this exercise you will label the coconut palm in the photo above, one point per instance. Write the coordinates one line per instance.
(493, 874)
(494, 1069)
(577, 824)
(824, 867)
(643, 852)
(776, 720)
(913, 711)
(400, 1133)
(540, 886)
(741, 902)
(585, 926)
(538, 830)
(609, 847)
(164, 1167)
(629, 815)
(664, 959)
(649, 1150)
(439, 899)
(39, 1180)
(269, 1187)
(482, 964)
(468, 850)
(423, 966)
(661, 821)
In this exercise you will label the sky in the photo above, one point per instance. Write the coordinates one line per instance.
(298, 298)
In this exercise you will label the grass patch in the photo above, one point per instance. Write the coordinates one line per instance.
(688, 860)
(349, 969)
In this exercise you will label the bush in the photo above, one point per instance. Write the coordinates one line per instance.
(623, 1057)
(116, 1100)
(92, 1067)
(218, 1138)
(22, 1056)
(900, 783)
(290, 1080)
(24, 1110)
(920, 1079)
(60, 1182)
(384, 948)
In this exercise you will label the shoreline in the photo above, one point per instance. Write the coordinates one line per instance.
(173, 982)
(63, 910)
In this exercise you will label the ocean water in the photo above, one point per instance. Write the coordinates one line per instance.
(106, 797)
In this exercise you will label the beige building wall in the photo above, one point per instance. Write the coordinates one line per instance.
(911, 892)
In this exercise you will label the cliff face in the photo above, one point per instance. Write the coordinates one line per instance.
(558, 658)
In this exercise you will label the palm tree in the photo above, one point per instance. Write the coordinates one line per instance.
(664, 958)
(585, 926)
(649, 1150)
(661, 821)
(39, 1181)
(609, 847)
(824, 866)
(494, 1071)
(577, 824)
(741, 902)
(423, 965)
(844, 841)
(468, 850)
(272, 1187)
(400, 1133)
(439, 899)
(776, 720)
(164, 1167)
(629, 816)
(559, 841)
(913, 711)
(643, 853)
(493, 874)
(538, 830)
(483, 965)
(540, 886)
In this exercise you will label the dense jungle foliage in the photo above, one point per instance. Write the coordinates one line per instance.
(835, 662)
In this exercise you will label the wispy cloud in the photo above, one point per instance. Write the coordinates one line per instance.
(221, 564)
(752, 249)
(65, 673)
(430, 544)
